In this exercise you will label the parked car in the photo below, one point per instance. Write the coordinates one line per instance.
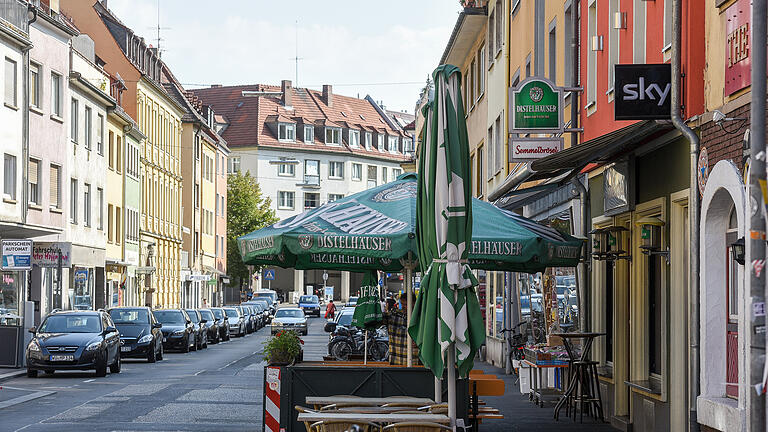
(268, 313)
(74, 340)
(236, 321)
(290, 318)
(222, 322)
(210, 325)
(261, 315)
(201, 339)
(268, 294)
(343, 318)
(178, 329)
(140, 334)
(351, 303)
(253, 318)
(310, 304)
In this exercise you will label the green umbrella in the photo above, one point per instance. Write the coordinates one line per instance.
(447, 324)
(367, 313)
(375, 229)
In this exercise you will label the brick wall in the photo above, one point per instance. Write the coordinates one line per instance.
(722, 145)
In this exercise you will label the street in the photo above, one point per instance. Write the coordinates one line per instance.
(219, 388)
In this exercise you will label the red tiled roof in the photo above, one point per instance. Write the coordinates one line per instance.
(247, 117)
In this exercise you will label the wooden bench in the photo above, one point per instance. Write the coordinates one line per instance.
(484, 385)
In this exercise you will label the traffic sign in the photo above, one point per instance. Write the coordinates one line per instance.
(269, 274)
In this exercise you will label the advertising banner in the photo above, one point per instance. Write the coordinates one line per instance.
(17, 254)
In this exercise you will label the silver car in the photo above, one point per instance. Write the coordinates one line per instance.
(236, 321)
(290, 318)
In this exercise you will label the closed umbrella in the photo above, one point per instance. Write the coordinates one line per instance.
(447, 323)
(367, 313)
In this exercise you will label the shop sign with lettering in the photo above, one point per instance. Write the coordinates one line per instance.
(738, 63)
(527, 149)
(536, 107)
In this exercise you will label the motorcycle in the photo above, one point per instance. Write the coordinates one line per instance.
(346, 342)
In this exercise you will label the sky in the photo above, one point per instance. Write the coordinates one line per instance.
(382, 48)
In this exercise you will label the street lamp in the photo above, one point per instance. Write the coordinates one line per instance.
(737, 251)
(650, 237)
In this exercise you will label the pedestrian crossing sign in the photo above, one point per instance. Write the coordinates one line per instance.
(269, 274)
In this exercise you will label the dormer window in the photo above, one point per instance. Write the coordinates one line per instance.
(354, 138)
(380, 142)
(286, 132)
(333, 135)
(392, 144)
(309, 134)
(368, 140)
(407, 145)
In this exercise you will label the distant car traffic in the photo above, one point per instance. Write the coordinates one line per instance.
(74, 340)
(290, 318)
(310, 304)
(178, 330)
(140, 334)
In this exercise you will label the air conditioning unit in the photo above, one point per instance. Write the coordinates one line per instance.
(597, 43)
(620, 20)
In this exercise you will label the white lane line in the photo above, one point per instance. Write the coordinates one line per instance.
(90, 380)
(199, 372)
(25, 398)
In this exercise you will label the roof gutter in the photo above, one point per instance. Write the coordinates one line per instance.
(512, 181)
(457, 28)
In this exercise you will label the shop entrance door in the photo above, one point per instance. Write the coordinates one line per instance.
(732, 319)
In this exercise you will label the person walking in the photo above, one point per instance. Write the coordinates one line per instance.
(330, 310)
(397, 328)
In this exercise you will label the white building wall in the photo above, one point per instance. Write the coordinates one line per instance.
(11, 132)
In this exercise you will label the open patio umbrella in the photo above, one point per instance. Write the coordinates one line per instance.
(447, 324)
(367, 313)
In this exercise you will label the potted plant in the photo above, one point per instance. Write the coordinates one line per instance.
(284, 348)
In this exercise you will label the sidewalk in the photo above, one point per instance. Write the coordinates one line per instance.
(8, 373)
(522, 415)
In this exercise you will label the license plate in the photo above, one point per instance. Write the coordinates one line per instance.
(62, 357)
(165, 339)
(125, 348)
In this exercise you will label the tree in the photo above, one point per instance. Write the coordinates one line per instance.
(247, 210)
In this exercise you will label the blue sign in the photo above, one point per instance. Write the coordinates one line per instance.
(269, 274)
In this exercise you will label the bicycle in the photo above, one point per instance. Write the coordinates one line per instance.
(516, 346)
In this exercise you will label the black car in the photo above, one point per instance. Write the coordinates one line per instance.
(140, 334)
(178, 329)
(211, 326)
(74, 340)
(222, 322)
(201, 339)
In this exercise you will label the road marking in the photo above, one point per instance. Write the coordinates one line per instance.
(199, 372)
(90, 380)
(25, 398)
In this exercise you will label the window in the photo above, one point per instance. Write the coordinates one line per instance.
(473, 82)
(334, 197)
(234, 164)
(609, 311)
(668, 18)
(383, 174)
(100, 200)
(499, 26)
(732, 311)
(118, 219)
(480, 65)
(286, 169)
(357, 172)
(408, 145)
(10, 82)
(380, 142)
(309, 134)
(465, 97)
(286, 132)
(372, 176)
(73, 201)
(368, 140)
(197, 147)
(9, 176)
(285, 200)
(34, 85)
(110, 223)
(396, 172)
(55, 187)
(567, 32)
(196, 191)
(491, 38)
(392, 144)
(613, 41)
(654, 314)
(87, 204)
(354, 138)
(119, 154)
(480, 171)
(528, 66)
(491, 148)
(88, 128)
(311, 200)
(111, 150)
(552, 50)
(501, 157)
(100, 135)
(34, 185)
(591, 55)
(55, 94)
(73, 121)
(312, 172)
(333, 135)
(336, 170)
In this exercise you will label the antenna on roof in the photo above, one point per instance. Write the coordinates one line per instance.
(296, 58)
(158, 28)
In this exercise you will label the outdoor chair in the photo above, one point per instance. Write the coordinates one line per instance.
(416, 427)
(336, 406)
(404, 404)
(441, 408)
(344, 426)
(302, 409)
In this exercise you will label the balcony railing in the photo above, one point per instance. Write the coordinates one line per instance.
(15, 13)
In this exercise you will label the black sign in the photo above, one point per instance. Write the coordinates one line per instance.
(642, 91)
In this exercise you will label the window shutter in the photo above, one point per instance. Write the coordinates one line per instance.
(33, 171)
(54, 186)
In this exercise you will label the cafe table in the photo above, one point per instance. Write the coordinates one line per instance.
(583, 387)
(382, 418)
(319, 401)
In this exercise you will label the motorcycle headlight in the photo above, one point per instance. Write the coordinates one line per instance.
(178, 333)
(93, 346)
(33, 346)
(145, 339)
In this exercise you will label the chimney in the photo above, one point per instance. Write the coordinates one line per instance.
(215, 85)
(287, 89)
(328, 94)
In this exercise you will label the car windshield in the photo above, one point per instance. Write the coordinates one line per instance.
(193, 316)
(266, 297)
(289, 313)
(71, 324)
(232, 313)
(169, 316)
(207, 315)
(218, 313)
(264, 305)
(345, 319)
(129, 316)
(308, 299)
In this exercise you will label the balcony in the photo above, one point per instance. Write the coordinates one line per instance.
(14, 12)
(310, 181)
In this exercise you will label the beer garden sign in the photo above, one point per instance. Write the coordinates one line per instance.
(536, 108)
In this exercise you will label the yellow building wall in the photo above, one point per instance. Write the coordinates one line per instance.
(160, 120)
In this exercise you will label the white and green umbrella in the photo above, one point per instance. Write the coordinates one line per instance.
(447, 324)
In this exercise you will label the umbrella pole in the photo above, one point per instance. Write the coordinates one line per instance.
(452, 385)
(409, 309)
(438, 390)
(365, 348)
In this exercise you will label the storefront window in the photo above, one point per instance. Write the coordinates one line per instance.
(10, 314)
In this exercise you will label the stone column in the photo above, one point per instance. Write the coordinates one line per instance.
(344, 286)
(298, 284)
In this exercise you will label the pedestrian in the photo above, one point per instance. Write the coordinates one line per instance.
(330, 310)
(397, 328)
(205, 303)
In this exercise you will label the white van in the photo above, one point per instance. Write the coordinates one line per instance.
(268, 293)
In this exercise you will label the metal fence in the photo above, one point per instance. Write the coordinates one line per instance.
(15, 13)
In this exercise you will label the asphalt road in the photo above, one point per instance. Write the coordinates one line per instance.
(217, 389)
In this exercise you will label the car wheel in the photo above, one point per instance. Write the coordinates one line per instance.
(31, 373)
(101, 370)
(195, 346)
(160, 354)
(50, 371)
(152, 353)
(186, 345)
(117, 365)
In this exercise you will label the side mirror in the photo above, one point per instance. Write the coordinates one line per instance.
(32, 330)
(157, 325)
(110, 329)
(203, 321)
(330, 326)
(189, 322)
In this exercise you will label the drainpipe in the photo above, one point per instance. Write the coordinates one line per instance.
(585, 265)
(25, 119)
(693, 211)
(757, 177)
